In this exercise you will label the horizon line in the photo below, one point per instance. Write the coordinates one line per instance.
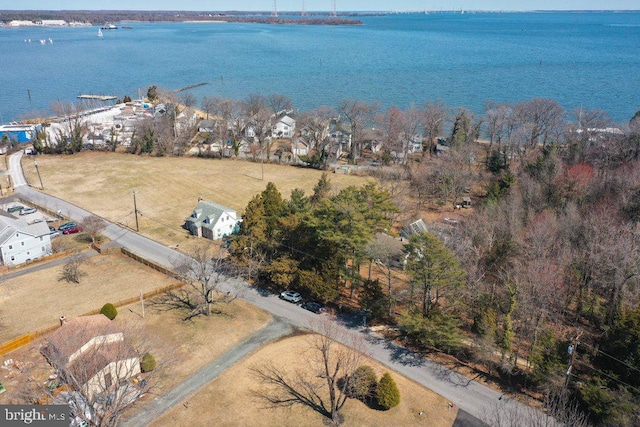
(324, 11)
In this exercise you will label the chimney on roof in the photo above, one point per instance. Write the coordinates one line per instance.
(63, 320)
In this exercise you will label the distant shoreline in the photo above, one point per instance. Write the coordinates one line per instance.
(100, 17)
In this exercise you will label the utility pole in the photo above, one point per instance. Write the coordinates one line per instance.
(572, 350)
(135, 208)
(38, 171)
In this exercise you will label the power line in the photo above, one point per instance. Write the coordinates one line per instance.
(612, 357)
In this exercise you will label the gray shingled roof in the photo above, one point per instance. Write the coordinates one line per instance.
(9, 226)
(204, 210)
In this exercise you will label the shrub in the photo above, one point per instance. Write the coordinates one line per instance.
(387, 394)
(109, 310)
(148, 363)
(363, 383)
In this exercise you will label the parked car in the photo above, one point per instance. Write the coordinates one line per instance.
(27, 211)
(13, 209)
(73, 230)
(67, 225)
(313, 306)
(53, 232)
(291, 296)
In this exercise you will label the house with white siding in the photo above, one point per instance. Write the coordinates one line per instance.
(21, 242)
(284, 128)
(212, 221)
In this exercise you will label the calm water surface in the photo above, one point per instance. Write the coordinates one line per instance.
(580, 59)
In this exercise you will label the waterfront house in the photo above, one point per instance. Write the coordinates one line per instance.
(21, 242)
(373, 140)
(90, 352)
(212, 221)
(285, 127)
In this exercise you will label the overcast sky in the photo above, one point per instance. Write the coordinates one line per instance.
(320, 5)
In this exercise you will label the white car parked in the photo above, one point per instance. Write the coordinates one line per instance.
(291, 296)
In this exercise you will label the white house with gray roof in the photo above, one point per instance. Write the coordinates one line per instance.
(21, 242)
(212, 221)
(284, 128)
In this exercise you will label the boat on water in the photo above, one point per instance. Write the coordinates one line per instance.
(109, 27)
(99, 33)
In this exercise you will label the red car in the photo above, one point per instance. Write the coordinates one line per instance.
(72, 230)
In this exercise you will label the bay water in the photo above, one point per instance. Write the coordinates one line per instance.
(589, 60)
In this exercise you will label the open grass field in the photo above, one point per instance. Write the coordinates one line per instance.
(38, 299)
(167, 188)
(227, 401)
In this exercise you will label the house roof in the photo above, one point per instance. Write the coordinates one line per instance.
(90, 363)
(210, 210)
(393, 244)
(78, 331)
(372, 134)
(299, 143)
(287, 121)
(206, 123)
(10, 225)
(415, 227)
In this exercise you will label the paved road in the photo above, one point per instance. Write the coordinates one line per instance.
(38, 266)
(470, 396)
(277, 328)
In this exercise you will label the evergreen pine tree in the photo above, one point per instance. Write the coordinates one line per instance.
(387, 394)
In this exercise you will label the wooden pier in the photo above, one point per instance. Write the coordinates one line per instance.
(98, 97)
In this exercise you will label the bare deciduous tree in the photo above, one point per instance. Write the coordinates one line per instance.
(279, 104)
(358, 115)
(204, 271)
(70, 128)
(71, 269)
(560, 411)
(322, 382)
(434, 116)
(93, 225)
(99, 392)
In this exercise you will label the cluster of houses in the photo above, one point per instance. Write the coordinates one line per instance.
(45, 23)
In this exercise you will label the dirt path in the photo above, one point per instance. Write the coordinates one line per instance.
(276, 329)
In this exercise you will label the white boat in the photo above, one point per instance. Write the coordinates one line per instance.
(50, 40)
(99, 32)
(43, 41)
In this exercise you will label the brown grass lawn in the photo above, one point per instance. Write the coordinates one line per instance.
(167, 187)
(227, 400)
(37, 300)
(181, 348)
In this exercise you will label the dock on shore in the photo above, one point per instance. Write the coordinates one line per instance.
(98, 97)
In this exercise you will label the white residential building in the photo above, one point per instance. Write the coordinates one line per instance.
(212, 221)
(21, 242)
(284, 128)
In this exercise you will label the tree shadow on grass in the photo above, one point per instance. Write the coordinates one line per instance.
(185, 303)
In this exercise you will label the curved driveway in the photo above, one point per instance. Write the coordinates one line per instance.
(468, 395)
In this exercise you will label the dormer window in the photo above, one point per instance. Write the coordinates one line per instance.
(194, 215)
(206, 221)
